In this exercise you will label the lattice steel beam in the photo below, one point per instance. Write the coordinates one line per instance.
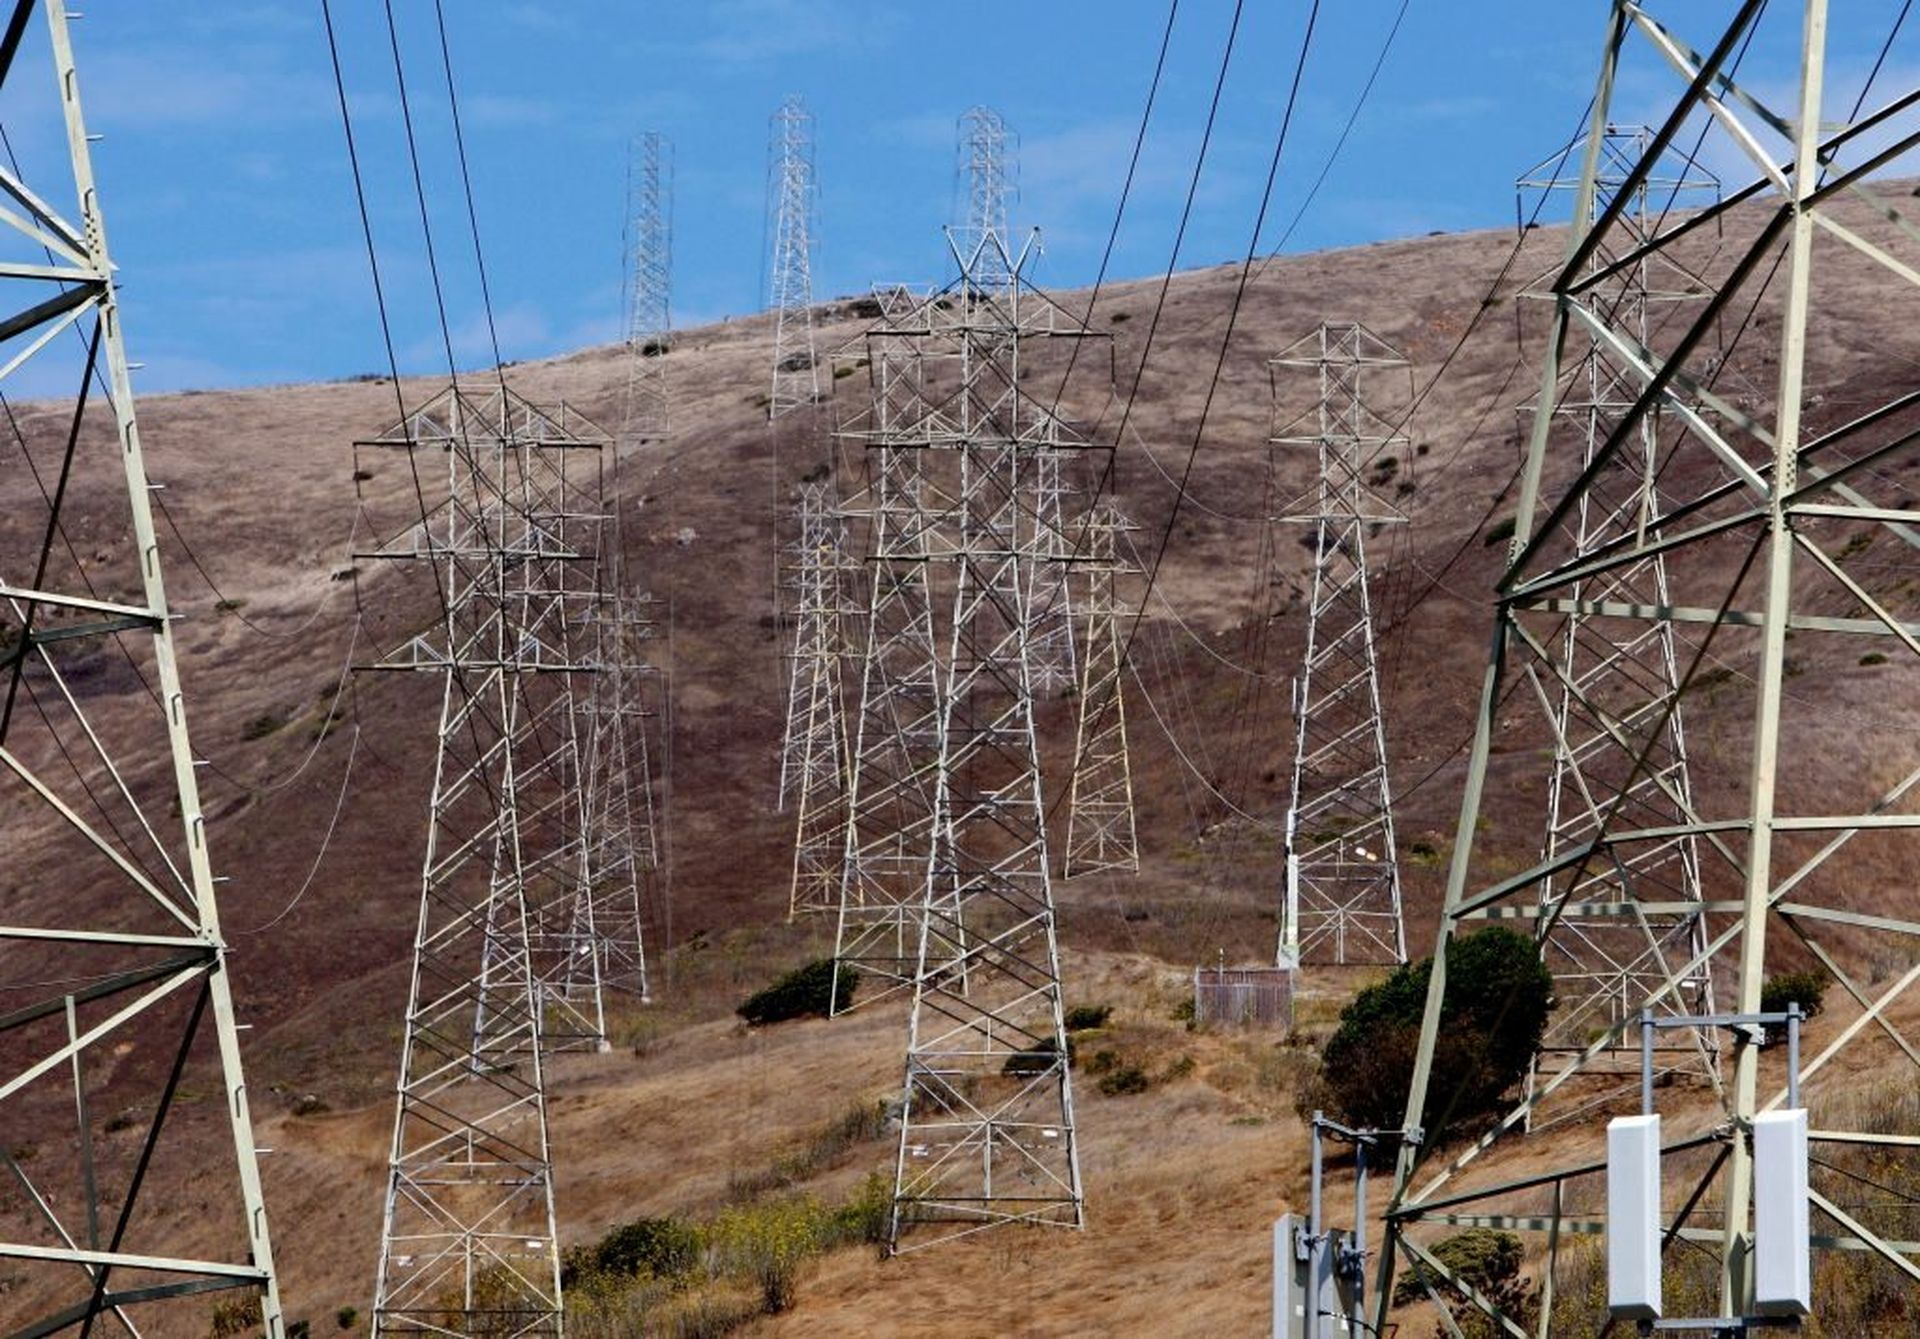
(1612, 702)
(113, 944)
(1769, 498)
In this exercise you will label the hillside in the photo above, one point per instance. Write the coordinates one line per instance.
(1183, 1179)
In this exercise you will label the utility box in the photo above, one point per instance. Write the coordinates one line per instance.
(1782, 1249)
(1633, 1217)
(1292, 1285)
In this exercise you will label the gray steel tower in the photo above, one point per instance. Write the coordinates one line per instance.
(895, 732)
(649, 258)
(115, 965)
(1605, 963)
(1782, 463)
(1341, 898)
(791, 198)
(816, 777)
(987, 1132)
(1101, 835)
(509, 533)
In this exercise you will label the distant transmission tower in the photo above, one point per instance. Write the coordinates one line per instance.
(989, 169)
(896, 729)
(113, 965)
(1101, 835)
(1771, 492)
(987, 1133)
(1053, 651)
(619, 808)
(1606, 963)
(467, 1243)
(1341, 900)
(816, 772)
(649, 285)
(791, 198)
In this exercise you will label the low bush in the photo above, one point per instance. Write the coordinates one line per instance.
(1807, 989)
(1042, 1056)
(1086, 1017)
(1124, 1079)
(809, 991)
(662, 1248)
(1489, 1262)
(1497, 999)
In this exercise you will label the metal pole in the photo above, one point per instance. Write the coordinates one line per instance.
(1316, 1239)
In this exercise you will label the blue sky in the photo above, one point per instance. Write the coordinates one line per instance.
(230, 207)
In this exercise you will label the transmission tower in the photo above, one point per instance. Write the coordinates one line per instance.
(1605, 963)
(989, 168)
(649, 324)
(467, 1243)
(815, 774)
(1053, 650)
(1341, 901)
(1101, 835)
(621, 858)
(791, 197)
(115, 967)
(889, 838)
(987, 1131)
(1770, 495)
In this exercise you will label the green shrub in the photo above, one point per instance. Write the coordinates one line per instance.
(1487, 1260)
(1807, 989)
(1125, 1079)
(865, 1217)
(1497, 999)
(346, 1316)
(1501, 531)
(1085, 1017)
(1873, 658)
(663, 1248)
(768, 1243)
(809, 991)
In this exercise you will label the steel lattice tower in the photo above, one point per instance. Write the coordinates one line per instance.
(649, 324)
(1101, 835)
(889, 833)
(1771, 493)
(815, 770)
(1341, 899)
(987, 1131)
(467, 1243)
(621, 859)
(1605, 964)
(114, 940)
(989, 166)
(791, 197)
(1053, 651)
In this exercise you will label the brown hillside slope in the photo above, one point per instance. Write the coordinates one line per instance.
(1183, 1180)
